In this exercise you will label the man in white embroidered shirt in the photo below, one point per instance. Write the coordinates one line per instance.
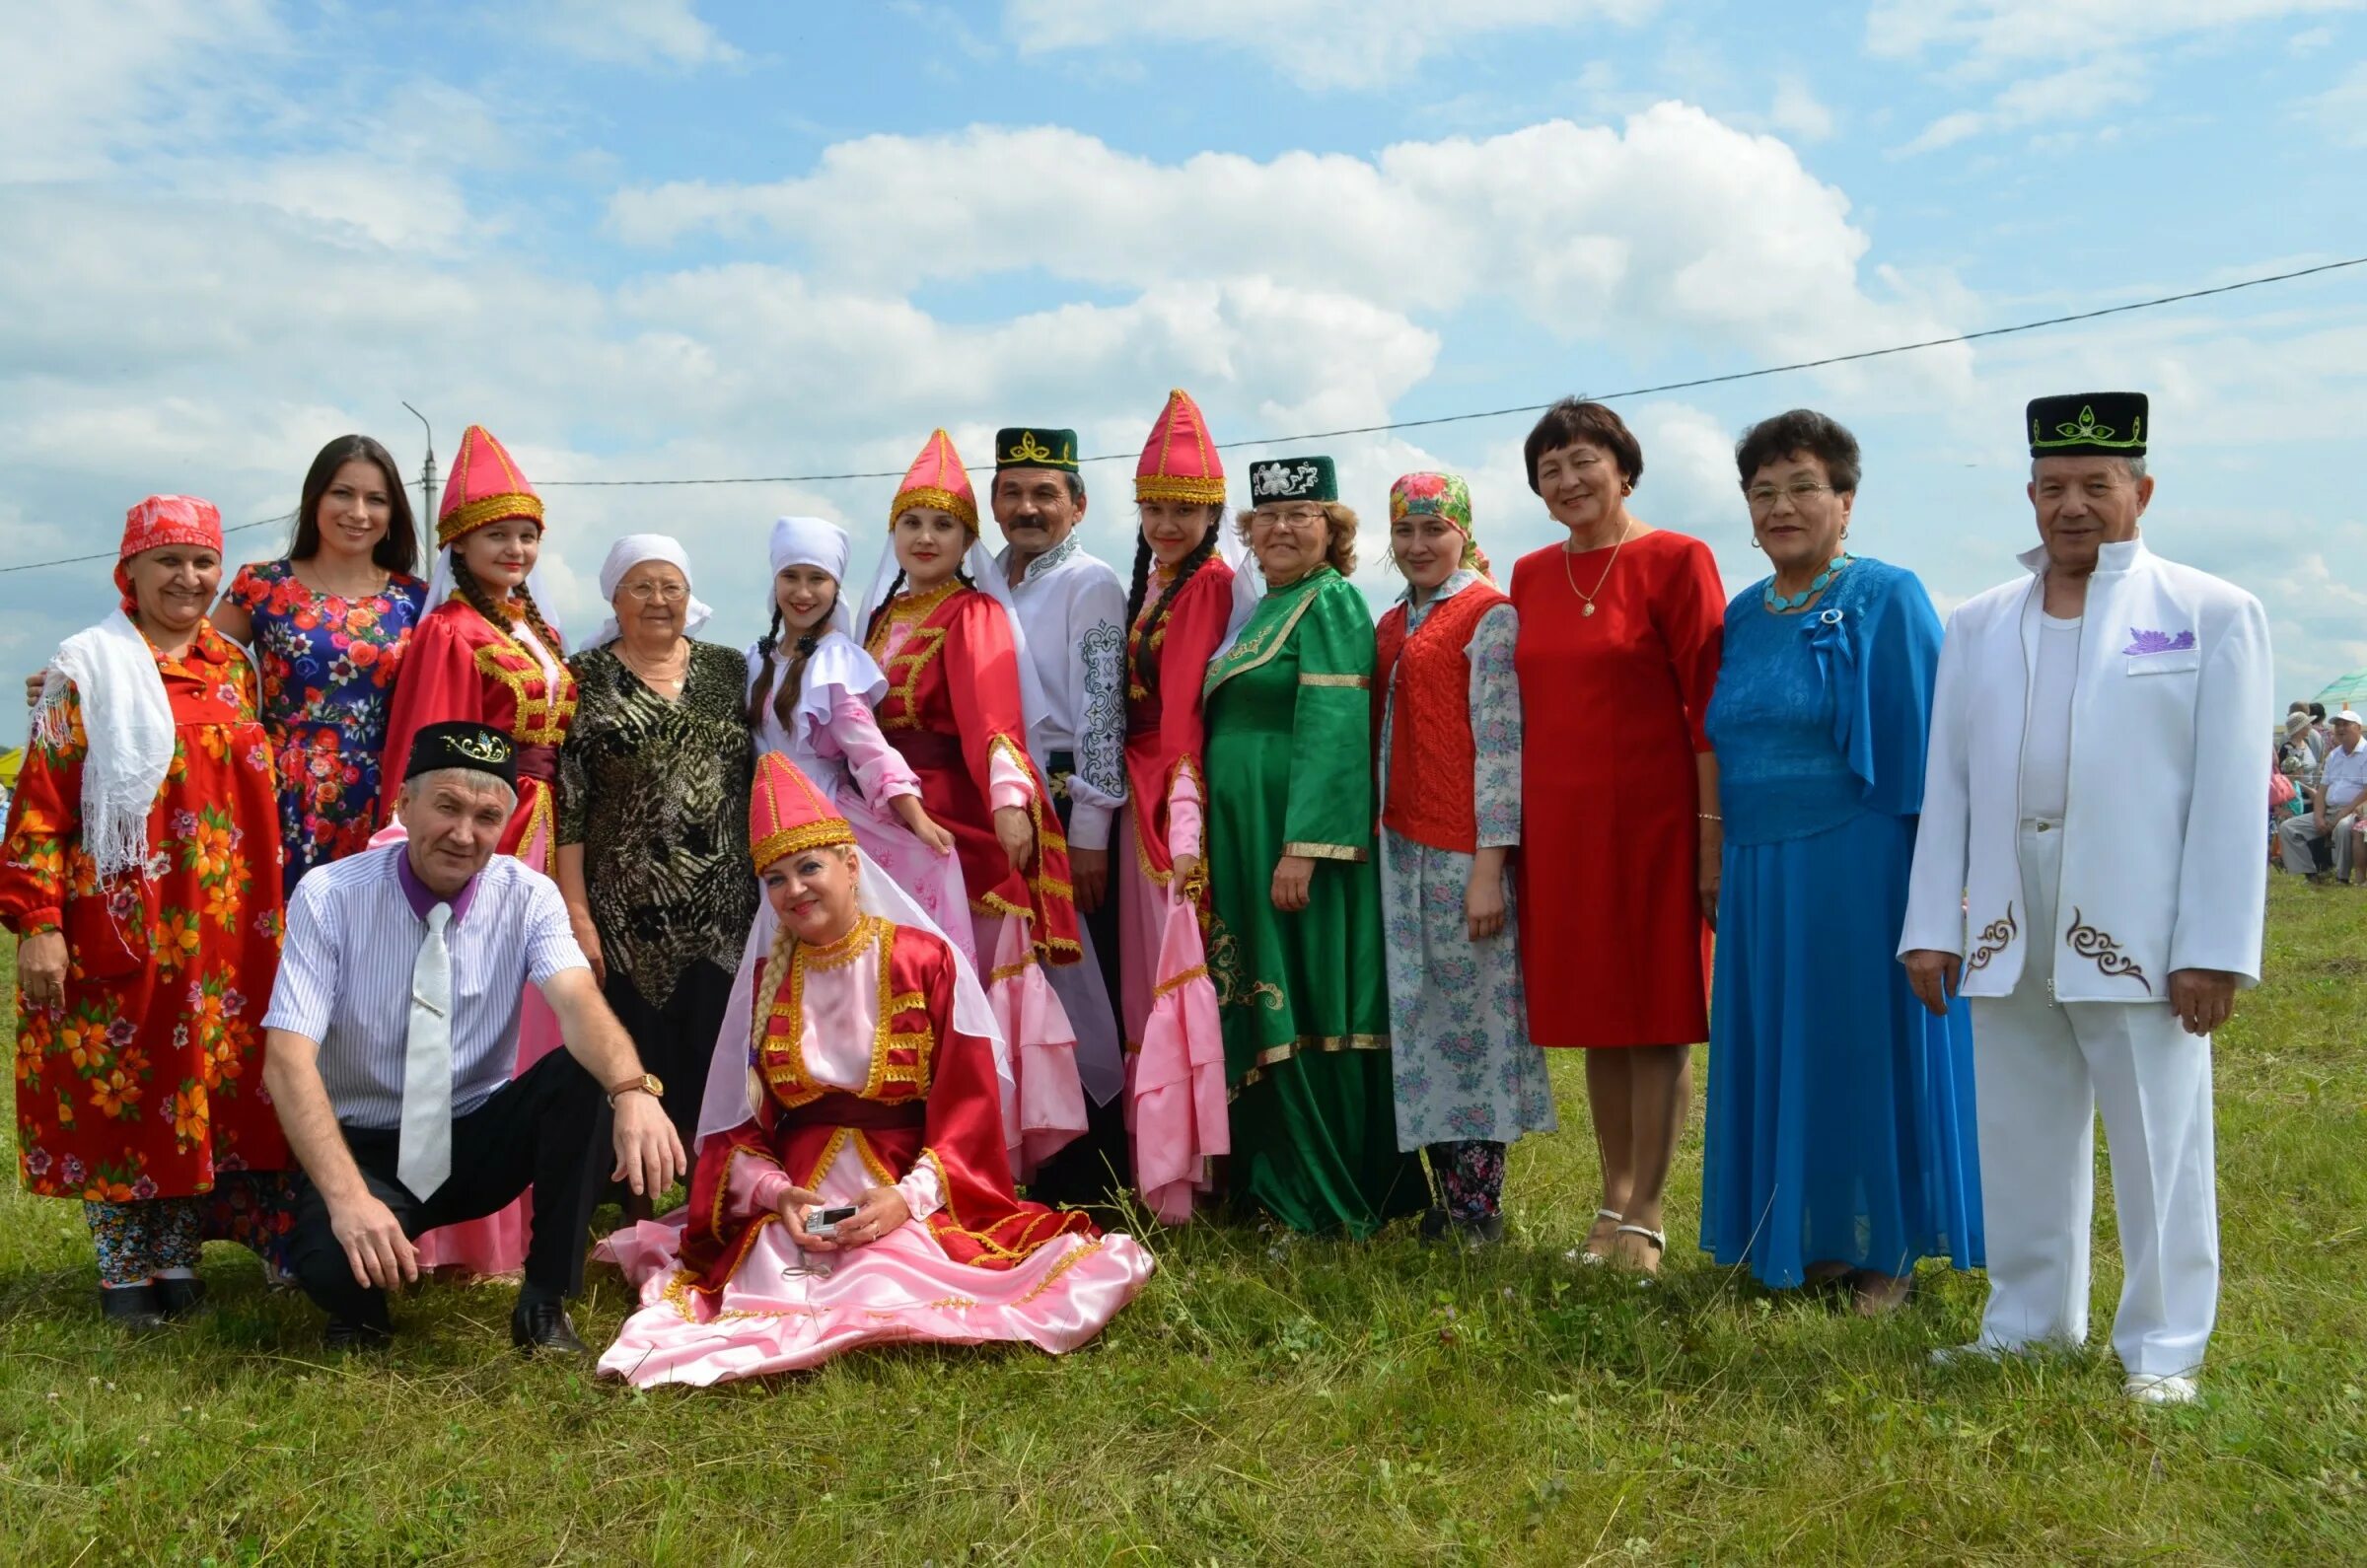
(2340, 795)
(1072, 609)
(2088, 866)
(390, 1040)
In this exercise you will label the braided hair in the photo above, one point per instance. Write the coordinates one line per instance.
(482, 599)
(1190, 563)
(793, 678)
(871, 627)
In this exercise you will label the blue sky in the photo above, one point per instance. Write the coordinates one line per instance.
(658, 238)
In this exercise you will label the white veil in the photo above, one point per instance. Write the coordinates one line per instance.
(989, 579)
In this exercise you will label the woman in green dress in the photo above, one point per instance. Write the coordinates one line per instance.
(1295, 950)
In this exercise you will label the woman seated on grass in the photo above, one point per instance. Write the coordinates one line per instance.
(867, 1194)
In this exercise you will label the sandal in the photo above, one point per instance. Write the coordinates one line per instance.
(1587, 1254)
(1635, 1259)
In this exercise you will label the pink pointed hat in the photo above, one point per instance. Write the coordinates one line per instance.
(937, 480)
(486, 487)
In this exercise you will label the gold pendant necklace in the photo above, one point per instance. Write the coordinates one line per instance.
(1587, 600)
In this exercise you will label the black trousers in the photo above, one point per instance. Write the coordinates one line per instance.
(1099, 1165)
(677, 1042)
(540, 1130)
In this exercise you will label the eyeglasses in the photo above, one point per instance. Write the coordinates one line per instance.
(662, 592)
(1763, 496)
(1297, 516)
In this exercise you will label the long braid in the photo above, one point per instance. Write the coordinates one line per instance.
(1191, 563)
(1142, 578)
(871, 628)
(793, 680)
(480, 599)
(768, 985)
(763, 687)
(533, 619)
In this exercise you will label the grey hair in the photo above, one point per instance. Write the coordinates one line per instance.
(2135, 468)
(467, 779)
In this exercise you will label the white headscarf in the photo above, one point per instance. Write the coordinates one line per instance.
(989, 579)
(629, 552)
(813, 541)
(1249, 585)
(838, 662)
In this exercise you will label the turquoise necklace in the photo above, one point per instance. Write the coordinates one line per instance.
(1780, 602)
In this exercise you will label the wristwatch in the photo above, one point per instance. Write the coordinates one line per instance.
(647, 1083)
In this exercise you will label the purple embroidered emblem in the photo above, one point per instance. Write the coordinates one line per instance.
(2157, 642)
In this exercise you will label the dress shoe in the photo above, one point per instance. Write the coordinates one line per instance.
(1434, 1225)
(357, 1333)
(542, 1324)
(2172, 1390)
(178, 1298)
(132, 1307)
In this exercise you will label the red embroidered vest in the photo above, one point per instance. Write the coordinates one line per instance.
(1431, 755)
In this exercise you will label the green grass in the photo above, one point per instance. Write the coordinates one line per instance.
(1279, 1400)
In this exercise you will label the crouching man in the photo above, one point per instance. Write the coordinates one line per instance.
(392, 1043)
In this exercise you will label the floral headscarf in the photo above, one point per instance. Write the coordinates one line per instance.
(1443, 496)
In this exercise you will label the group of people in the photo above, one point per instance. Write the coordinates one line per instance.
(2318, 795)
(1191, 883)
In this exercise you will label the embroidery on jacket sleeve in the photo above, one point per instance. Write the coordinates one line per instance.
(2091, 943)
(1995, 937)
(1102, 727)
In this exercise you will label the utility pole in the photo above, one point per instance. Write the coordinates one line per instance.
(427, 473)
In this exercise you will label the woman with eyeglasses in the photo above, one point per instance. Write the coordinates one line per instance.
(1294, 942)
(654, 780)
(1840, 1138)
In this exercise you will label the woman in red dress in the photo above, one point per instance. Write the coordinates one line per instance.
(1621, 629)
(484, 654)
(141, 876)
(955, 709)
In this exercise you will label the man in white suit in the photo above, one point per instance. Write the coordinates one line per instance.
(2088, 871)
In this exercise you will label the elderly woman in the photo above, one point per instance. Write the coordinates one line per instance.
(1619, 874)
(1295, 946)
(1176, 616)
(653, 788)
(1839, 1127)
(1447, 727)
(484, 654)
(862, 1195)
(959, 691)
(329, 624)
(141, 876)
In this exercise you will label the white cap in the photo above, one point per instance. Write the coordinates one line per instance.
(2348, 716)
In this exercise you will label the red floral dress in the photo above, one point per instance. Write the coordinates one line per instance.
(147, 1082)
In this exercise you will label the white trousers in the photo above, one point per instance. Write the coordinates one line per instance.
(2041, 1070)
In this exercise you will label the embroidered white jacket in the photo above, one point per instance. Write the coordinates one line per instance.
(2164, 866)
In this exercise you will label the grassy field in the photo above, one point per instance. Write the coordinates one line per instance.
(1274, 1400)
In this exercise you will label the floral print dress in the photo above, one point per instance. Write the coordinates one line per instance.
(328, 667)
(145, 1087)
(1465, 1069)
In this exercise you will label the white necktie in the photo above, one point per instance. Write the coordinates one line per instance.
(423, 1158)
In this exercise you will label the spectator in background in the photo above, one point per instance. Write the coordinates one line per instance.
(2340, 795)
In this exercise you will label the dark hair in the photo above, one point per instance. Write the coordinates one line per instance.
(1802, 430)
(2317, 712)
(464, 583)
(1076, 486)
(1340, 534)
(793, 678)
(961, 575)
(399, 552)
(1569, 423)
(1193, 561)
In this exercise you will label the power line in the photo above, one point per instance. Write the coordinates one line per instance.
(1440, 419)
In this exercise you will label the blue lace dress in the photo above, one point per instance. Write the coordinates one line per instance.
(1839, 1125)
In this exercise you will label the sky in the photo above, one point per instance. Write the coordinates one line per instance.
(662, 238)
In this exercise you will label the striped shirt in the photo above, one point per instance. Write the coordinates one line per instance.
(345, 977)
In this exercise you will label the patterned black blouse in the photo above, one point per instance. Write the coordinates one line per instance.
(657, 794)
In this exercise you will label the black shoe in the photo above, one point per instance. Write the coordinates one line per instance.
(542, 1324)
(1485, 1231)
(132, 1307)
(1434, 1225)
(355, 1333)
(178, 1298)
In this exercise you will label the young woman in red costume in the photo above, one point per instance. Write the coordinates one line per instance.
(485, 654)
(870, 1089)
(1177, 615)
(956, 709)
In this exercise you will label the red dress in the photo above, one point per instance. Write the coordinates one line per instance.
(1613, 948)
(148, 1083)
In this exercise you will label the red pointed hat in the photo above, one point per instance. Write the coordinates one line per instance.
(787, 814)
(937, 480)
(486, 487)
(1180, 462)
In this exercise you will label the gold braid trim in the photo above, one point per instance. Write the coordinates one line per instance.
(1192, 492)
(1175, 982)
(1365, 681)
(1325, 1044)
(487, 509)
(938, 499)
(796, 840)
(1325, 851)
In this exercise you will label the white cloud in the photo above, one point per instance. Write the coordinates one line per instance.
(1315, 43)
(1677, 221)
(2342, 110)
(80, 83)
(2081, 92)
(1797, 112)
(636, 31)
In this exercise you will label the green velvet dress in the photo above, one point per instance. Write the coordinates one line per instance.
(1304, 997)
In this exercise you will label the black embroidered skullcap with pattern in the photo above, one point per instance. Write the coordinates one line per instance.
(468, 745)
(2109, 424)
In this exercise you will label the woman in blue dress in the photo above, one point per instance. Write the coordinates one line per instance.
(328, 623)
(1840, 1138)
